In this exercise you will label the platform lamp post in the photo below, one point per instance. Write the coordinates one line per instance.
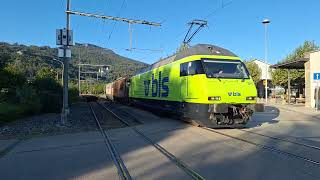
(62, 65)
(265, 22)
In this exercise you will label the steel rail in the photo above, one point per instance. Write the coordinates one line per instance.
(282, 139)
(265, 147)
(170, 156)
(121, 168)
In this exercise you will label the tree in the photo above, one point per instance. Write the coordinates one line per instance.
(280, 76)
(254, 71)
(46, 72)
(11, 77)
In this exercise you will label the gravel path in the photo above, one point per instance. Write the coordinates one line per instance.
(80, 119)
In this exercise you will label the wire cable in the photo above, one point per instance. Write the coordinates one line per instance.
(115, 23)
(215, 11)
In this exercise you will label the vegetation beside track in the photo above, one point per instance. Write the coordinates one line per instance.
(30, 81)
(24, 97)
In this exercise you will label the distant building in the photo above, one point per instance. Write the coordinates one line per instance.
(19, 52)
(263, 66)
(264, 75)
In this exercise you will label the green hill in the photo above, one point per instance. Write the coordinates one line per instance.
(29, 59)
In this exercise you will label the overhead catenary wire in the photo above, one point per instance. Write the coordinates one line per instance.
(133, 21)
(216, 10)
(115, 23)
(104, 17)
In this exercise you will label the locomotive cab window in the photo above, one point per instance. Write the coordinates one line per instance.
(191, 68)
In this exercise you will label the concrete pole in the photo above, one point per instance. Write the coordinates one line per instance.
(65, 110)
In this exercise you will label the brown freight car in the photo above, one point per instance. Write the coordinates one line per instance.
(109, 91)
(118, 90)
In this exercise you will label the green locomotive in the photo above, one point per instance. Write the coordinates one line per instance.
(204, 84)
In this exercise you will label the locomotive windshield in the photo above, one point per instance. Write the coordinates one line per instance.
(232, 69)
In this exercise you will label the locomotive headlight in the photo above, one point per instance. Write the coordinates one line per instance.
(214, 98)
(251, 98)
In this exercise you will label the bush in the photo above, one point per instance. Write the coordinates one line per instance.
(28, 99)
(9, 112)
(73, 95)
(50, 93)
(47, 84)
(44, 95)
(98, 88)
(11, 77)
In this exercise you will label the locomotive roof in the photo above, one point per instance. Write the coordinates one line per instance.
(199, 49)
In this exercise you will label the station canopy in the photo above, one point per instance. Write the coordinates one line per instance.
(295, 64)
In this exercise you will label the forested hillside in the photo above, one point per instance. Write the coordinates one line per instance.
(29, 59)
(30, 81)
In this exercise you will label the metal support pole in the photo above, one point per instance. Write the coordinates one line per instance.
(289, 87)
(130, 36)
(65, 110)
(62, 65)
(62, 74)
(265, 23)
(266, 59)
(79, 81)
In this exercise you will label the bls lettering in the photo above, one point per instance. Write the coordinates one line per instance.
(158, 86)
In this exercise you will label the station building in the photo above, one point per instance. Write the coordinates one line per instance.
(311, 65)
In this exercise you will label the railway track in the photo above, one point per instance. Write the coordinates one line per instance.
(130, 121)
(121, 168)
(282, 139)
(272, 148)
(310, 149)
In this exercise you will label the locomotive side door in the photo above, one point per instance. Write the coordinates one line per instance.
(184, 81)
(190, 80)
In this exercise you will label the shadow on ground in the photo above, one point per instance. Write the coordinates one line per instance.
(209, 154)
(269, 116)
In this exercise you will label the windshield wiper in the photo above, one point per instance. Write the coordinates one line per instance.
(242, 77)
(241, 72)
(216, 75)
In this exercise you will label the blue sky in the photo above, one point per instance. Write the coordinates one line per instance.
(236, 27)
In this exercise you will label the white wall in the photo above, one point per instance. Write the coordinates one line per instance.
(263, 67)
(314, 67)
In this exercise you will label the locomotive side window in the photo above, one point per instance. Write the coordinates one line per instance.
(184, 69)
(195, 67)
(191, 68)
